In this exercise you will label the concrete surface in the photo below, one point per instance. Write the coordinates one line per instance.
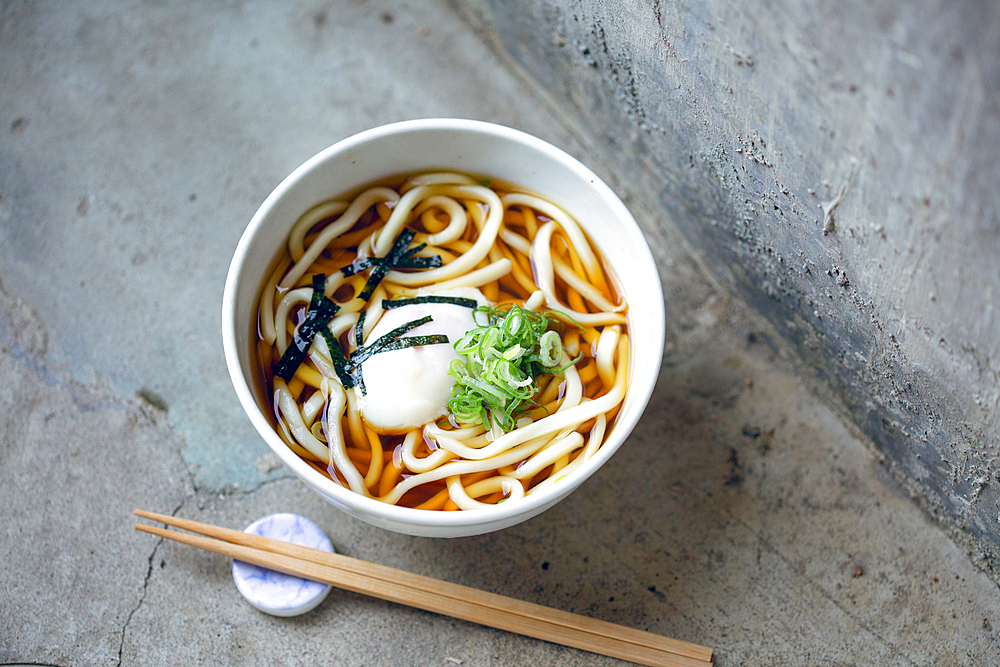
(137, 140)
(834, 164)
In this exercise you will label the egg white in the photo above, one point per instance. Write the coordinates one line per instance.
(405, 389)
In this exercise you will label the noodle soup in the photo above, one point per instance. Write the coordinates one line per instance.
(442, 342)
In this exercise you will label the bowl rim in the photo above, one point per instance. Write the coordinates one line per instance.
(415, 520)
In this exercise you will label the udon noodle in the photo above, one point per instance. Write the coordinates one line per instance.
(434, 251)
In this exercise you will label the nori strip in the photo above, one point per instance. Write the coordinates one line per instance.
(321, 311)
(454, 300)
(432, 262)
(348, 368)
(359, 329)
(400, 343)
(340, 363)
(319, 290)
(405, 262)
(359, 265)
(363, 353)
(409, 259)
(413, 341)
(397, 258)
(397, 252)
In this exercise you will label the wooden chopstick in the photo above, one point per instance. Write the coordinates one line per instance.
(437, 596)
(434, 586)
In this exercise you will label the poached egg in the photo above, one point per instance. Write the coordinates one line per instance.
(407, 388)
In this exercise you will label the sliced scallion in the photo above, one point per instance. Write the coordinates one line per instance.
(502, 357)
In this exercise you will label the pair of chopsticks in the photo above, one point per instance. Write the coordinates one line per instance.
(469, 604)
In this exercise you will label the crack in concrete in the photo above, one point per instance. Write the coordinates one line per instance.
(152, 556)
(822, 591)
(193, 494)
(145, 585)
(994, 642)
(142, 597)
(24, 337)
(238, 492)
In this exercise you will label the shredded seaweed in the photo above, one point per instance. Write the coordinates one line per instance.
(359, 329)
(340, 362)
(413, 262)
(359, 265)
(409, 261)
(348, 367)
(410, 301)
(396, 253)
(377, 345)
(414, 341)
(321, 311)
(398, 257)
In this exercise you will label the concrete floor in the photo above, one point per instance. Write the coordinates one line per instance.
(136, 140)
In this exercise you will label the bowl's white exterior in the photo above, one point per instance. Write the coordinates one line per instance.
(477, 148)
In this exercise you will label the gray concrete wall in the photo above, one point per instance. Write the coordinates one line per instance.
(836, 165)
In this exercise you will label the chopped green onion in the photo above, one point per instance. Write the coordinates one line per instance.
(502, 357)
(549, 349)
(317, 431)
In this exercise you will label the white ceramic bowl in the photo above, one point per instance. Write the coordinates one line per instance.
(482, 149)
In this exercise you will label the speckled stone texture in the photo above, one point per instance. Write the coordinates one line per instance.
(136, 140)
(833, 164)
